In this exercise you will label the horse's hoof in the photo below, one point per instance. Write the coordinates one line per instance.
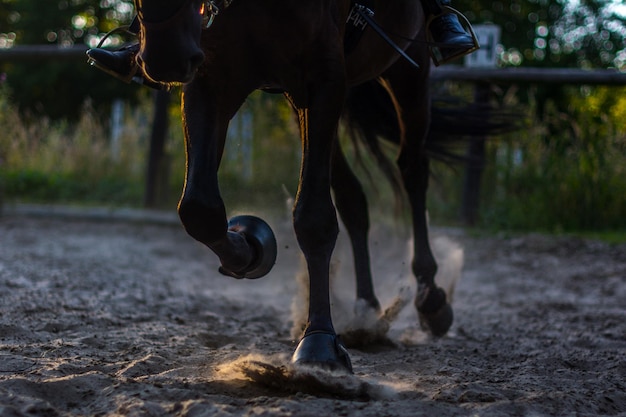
(259, 235)
(322, 350)
(439, 322)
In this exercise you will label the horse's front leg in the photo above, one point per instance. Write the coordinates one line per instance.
(245, 246)
(315, 220)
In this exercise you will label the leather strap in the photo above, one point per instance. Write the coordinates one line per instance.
(365, 14)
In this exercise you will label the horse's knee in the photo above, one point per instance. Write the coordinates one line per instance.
(204, 222)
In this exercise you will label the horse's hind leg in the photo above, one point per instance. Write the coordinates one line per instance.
(351, 204)
(410, 90)
(431, 302)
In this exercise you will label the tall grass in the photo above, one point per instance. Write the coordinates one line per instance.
(565, 171)
(58, 162)
(46, 161)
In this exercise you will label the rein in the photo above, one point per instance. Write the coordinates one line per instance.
(209, 9)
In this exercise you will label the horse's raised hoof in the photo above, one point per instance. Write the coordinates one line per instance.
(259, 235)
(439, 322)
(322, 350)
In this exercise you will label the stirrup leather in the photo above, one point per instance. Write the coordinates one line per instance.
(434, 47)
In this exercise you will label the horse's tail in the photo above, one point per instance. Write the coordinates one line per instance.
(369, 115)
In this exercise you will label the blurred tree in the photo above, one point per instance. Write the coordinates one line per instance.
(563, 33)
(59, 89)
(554, 33)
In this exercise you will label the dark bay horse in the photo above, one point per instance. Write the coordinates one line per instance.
(224, 50)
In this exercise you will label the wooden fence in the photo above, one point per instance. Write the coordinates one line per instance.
(484, 75)
(482, 78)
(42, 52)
(531, 75)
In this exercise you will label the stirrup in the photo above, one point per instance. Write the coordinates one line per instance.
(128, 78)
(434, 47)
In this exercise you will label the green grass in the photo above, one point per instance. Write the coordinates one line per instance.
(614, 237)
(39, 187)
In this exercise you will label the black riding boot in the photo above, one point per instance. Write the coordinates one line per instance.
(121, 63)
(451, 40)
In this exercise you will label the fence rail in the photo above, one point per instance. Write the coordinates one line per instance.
(533, 75)
(39, 52)
(486, 75)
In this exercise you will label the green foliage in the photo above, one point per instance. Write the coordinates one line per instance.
(62, 22)
(564, 173)
(37, 186)
(53, 161)
(564, 33)
(58, 89)
(584, 33)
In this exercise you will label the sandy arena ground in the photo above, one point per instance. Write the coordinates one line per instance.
(101, 317)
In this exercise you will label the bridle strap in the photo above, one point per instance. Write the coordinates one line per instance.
(211, 9)
(163, 24)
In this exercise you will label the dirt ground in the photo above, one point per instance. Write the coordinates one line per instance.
(103, 317)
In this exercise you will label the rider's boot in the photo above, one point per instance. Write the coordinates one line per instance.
(121, 63)
(449, 37)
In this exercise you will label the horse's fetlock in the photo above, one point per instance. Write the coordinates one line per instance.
(430, 299)
(425, 271)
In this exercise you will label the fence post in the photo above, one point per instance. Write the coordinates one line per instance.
(157, 170)
(489, 37)
(475, 166)
(1, 197)
(117, 126)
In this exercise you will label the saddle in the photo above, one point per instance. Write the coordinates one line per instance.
(360, 17)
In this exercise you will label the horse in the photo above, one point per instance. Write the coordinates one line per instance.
(223, 50)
